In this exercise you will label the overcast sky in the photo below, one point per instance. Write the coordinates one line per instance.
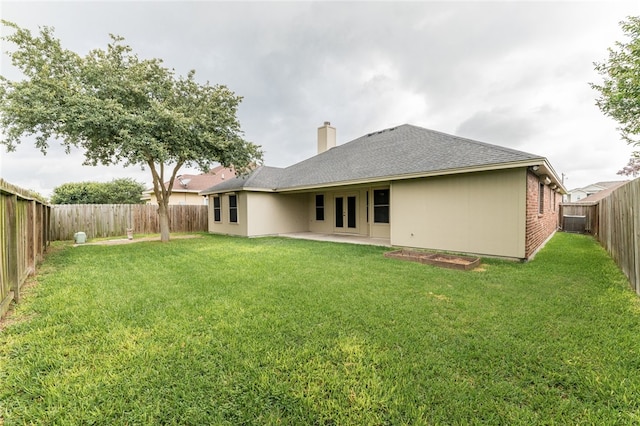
(513, 73)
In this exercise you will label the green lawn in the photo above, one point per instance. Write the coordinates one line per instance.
(222, 330)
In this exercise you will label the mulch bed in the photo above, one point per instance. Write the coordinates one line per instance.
(443, 260)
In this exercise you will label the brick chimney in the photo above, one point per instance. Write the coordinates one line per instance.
(326, 137)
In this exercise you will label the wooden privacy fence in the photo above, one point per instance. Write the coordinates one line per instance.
(24, 237)
(113, 220)
(579, 217)
(619, 229)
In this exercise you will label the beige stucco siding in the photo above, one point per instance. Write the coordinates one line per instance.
(271, 214)
(225, 226)
(480, 213)
(321, 226)
(378, 230)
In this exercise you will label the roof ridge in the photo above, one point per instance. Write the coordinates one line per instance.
(252, 175)
(388, 129)
(257, 171)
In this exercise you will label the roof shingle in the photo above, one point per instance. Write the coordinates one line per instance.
(393, 152)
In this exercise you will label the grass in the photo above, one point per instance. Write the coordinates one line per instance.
(223, 330)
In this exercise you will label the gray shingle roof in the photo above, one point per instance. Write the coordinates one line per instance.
(263, 177)
(389, 153)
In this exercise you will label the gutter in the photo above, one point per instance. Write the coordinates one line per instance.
(443, 172)
(541, 166)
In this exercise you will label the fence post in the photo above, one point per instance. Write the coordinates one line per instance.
(12, 245)
(635, 240)
(32, 236)
(21, 246)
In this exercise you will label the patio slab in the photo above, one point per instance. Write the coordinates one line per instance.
(339, 238)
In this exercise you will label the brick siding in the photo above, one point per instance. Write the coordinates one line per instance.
(540, 225)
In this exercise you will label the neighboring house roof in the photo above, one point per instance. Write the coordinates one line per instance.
(611, 184)
(609, 187)
(260, 179)
(396, 153)
(196, 183)
(599, 186)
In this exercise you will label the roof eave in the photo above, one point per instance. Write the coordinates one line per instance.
(238, 189)
(432, 173)
(186, 191)
(544, 168)
(547, 169)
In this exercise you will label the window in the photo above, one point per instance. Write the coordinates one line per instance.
(320, 207)
(554, 201)
(541, 198)
(233, 208)
(217, 212)
(381, 206)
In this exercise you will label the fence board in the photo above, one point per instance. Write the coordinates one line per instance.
(113, 220)
(588, 210)
(619, 229)
(24, 236)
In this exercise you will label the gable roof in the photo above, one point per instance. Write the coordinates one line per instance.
(400, 152)
(263, 178)
(609, 187)
(611, 183)
(197, 183)
(599, 186)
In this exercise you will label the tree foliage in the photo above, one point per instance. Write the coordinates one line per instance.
(632, 168)
(118, 191)
(120, 109)
(620, 91)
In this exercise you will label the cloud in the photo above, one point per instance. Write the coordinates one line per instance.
(508, 73)
(503, 126)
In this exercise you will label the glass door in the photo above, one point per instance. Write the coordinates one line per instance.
(346, 213)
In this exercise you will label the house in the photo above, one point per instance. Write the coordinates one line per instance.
(579, 194)
(412, 186)
(187, 188)
(607, 188)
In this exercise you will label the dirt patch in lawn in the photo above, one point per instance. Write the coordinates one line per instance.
(26, 291)
(134, 240)
(437, 259)
(10, 318)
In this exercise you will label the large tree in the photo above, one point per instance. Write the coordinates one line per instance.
(119, 108)
(118, 191)
(620, 91)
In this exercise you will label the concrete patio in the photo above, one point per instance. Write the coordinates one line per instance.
(339, 238)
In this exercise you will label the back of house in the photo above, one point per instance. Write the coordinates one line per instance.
(409, 185)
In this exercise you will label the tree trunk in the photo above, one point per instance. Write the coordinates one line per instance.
(163, 207)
